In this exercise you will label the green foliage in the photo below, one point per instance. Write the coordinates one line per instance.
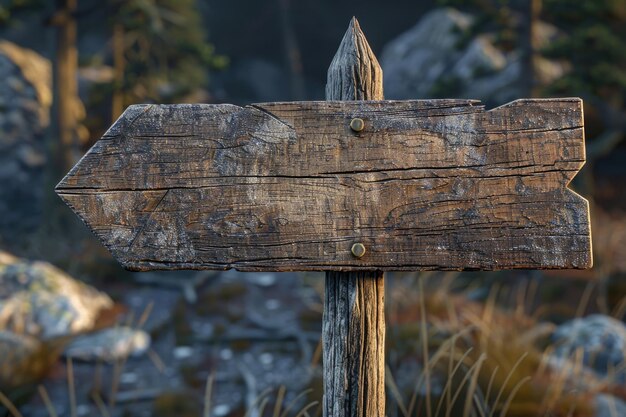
(499, 17)
(594, 45)
(165, 48)
(446, 86)
(591, 45)
(11, 9)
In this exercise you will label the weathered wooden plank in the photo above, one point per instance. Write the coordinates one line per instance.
(188, 146)
(353, 324)
(439, 184)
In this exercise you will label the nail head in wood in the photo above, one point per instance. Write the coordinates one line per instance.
(358, 250)
(357, 124)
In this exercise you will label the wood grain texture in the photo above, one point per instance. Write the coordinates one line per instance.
(354, 73)
(353, 325)
(439, 184)
(353, 335)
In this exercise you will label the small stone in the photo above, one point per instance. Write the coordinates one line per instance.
(203, 329)
(221, 410)
(83, 410)
(226, 354)
(263, 280)
(272, 304)
(183, 352)
(109, 345)
(266, 359)
(129, 378)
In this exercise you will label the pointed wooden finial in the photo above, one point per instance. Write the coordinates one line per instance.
(354, 73)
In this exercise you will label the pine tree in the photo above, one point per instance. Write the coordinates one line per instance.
(594, 46)
(13, 10)
(164, 53)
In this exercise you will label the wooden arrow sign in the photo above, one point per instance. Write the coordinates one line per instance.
(420, 185)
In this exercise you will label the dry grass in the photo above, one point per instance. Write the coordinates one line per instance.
(490, 361)
(478, 361)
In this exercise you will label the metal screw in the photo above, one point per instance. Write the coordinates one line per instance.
(357, 124)
(358, 250)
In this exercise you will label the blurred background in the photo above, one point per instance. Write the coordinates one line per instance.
(80, 336)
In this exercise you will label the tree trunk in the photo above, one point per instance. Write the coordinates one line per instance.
(66, 87)
(353, 329)
(119, 64)
(532, 15)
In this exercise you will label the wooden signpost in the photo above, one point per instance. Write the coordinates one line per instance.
(353, 186)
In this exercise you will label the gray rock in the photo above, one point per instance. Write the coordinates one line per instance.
(183, 352)
(264, 279)
(25, 100)
(601, 340)
(109, 345)
(38, 299)
(418, 58)
(31, 157)
(609, 406)
(432, 58)
(25, 360)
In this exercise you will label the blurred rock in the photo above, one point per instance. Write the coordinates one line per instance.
(38, 299)
(14, 349)
(265, 279)
(609, 406)
(433, 59)
(25, 360)
(109, 345)
(418, 58)
(25, 100)
(600, 339)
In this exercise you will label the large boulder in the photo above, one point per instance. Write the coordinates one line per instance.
(25, 100)
(24, 359)
(40, 300)
(609, 406)
(433, 59)
(601, 340)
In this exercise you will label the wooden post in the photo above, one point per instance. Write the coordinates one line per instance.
(353, 188)
(353, 328)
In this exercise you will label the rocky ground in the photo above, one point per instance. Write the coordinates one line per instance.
(149, 346)
(252, 332)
